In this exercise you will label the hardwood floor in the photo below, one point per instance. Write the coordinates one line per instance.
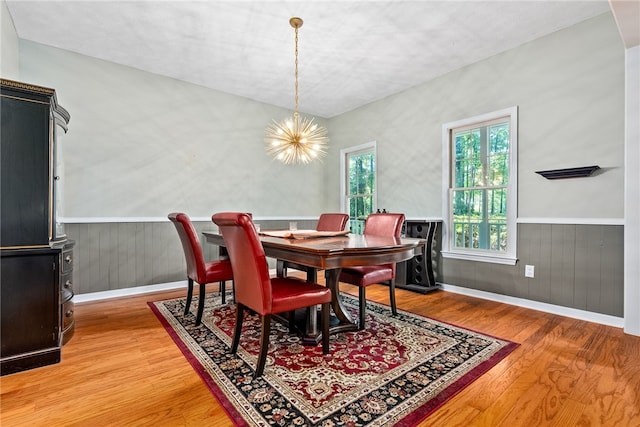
(122, 369)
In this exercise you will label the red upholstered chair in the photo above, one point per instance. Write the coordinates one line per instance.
(326, 222)
(378, 224)
(256, 291)
(198, 270)
(332, 222)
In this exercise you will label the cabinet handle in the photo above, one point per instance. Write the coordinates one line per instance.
(68, 259)
(69, 313)
(67, 284)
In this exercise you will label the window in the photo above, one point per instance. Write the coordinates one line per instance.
(358, 183)
(480, 187)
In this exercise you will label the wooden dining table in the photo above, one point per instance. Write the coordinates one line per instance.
(331, 254)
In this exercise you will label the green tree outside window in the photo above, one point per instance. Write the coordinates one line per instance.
(361, 168)
(479, 190)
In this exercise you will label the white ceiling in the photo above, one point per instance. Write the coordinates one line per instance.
(350, 52)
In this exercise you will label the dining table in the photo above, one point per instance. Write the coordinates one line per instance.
(331, 254)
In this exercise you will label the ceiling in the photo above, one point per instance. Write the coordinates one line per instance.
(350, 52)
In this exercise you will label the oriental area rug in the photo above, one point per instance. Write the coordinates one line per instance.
(394, 373)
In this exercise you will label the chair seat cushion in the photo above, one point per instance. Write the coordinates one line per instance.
(217, 271)
(367, 275)
(290, 293)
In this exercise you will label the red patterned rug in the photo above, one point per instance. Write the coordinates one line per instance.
(396, 372)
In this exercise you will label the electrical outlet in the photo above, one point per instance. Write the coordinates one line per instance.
(529, 270)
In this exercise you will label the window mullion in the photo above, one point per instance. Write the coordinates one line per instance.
(483, 231)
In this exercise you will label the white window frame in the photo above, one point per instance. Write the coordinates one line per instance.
(344, 153)
(509, 256)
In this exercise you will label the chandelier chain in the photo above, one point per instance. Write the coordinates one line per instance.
(296, 70)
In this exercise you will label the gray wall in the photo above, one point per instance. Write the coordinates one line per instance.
(569, 87)
(111, 256)
(576, 266)
(9, 61)
(142, 145)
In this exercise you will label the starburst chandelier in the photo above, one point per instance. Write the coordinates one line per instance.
(296, 139)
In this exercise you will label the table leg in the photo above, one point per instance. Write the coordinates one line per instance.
(312, 275)
(341, 320)
(311, 315)
(280, 268)
(345, 323)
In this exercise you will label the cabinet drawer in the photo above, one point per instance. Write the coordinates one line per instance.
(67, 261)
(66, 285)
(67, 315)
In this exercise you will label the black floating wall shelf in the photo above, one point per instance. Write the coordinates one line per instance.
(569, 172)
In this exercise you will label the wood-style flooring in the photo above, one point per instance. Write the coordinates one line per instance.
(122, 369)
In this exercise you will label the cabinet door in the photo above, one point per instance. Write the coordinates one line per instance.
(29, 302)
(24, 182)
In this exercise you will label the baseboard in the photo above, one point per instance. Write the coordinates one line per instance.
(138, 290)
(588, 316)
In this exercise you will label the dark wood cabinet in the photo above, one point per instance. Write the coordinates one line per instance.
(30, 309)
(25, 173)
(36, 290)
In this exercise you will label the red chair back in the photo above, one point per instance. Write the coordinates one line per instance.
(332, 222)
(249, 263)
(384, 224)
(191, 246)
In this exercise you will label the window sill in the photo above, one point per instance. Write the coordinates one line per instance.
(494, 259)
